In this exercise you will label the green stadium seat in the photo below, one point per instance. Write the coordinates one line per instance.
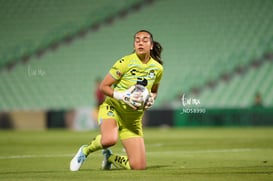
(201, 40)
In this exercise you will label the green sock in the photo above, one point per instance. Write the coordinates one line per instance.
(94, 145)
(120, 161)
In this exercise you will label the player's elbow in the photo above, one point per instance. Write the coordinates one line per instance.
(103, 88)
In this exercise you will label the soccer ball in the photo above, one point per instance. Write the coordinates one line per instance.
(141, 93)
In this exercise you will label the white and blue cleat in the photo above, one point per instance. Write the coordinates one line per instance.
(77, 160)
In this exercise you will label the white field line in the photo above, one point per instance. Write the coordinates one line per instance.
(35, 156)
(234, 150)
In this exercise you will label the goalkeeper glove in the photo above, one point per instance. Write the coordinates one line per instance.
(150, 102)
(130, 98)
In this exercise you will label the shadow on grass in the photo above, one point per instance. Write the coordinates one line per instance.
(154, 167)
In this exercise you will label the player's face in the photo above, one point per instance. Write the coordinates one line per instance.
(143, 43)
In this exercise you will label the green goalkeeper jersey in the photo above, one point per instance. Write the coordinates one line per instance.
(128, 71)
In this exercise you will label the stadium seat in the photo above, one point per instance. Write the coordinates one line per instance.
(201, 40)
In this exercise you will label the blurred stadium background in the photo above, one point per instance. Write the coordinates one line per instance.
(218, 58)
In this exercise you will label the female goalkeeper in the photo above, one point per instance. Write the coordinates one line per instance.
(120, 114)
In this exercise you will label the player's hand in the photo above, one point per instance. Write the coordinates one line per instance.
(131, 99)
(150, 102)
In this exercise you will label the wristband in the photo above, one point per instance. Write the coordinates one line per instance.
(118, 95)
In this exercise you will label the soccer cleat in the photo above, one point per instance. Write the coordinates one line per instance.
(78, 159)
(106, 165)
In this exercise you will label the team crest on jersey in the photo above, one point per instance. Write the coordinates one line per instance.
(152, 74)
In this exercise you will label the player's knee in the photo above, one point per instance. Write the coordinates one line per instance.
(109, 141)
(137, 165)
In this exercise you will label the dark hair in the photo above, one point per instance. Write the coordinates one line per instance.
(157, 48)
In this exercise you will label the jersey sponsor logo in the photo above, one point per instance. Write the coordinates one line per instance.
(151, 74)
(142, 81)
(133, 71)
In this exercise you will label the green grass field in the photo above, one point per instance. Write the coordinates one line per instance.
(172, 154)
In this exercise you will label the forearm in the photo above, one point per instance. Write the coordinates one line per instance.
(124, 96)
(154, 90)
(106, 85)
(107, 90)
